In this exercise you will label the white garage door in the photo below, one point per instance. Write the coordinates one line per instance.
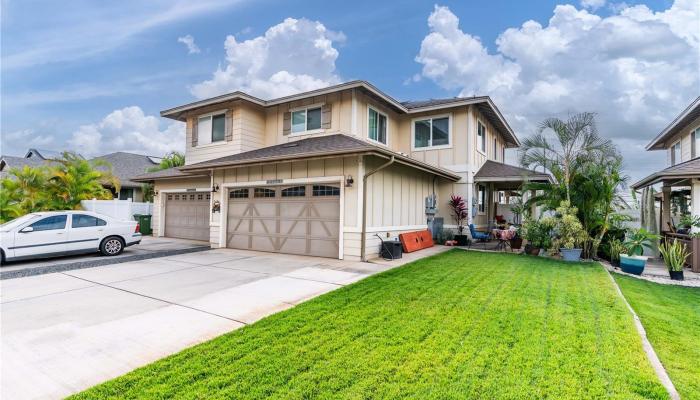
(187, 215)
(300, 219)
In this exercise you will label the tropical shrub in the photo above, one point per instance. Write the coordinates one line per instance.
(674, 254)
(171, 160)
(638, 239)
(568, 229)
(538, 233)
(616, 248)
(459, 211)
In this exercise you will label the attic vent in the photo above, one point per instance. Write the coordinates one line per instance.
(292, 144)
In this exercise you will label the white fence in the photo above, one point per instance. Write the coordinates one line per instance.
(120, 209)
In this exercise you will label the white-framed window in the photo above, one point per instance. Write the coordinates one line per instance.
(306, 119)
(211, 128)
(481, 198)
(377, 126)
(432, 132)
(495, 149)
(695, 143)
(676, 153)
(480, 137)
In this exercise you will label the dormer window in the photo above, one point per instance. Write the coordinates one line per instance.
(211, 128)
(306, 119)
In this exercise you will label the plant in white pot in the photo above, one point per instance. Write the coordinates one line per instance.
(570, 235)
(633, 262)
(674, 254)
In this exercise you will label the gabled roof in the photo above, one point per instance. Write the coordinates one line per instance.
(691, 113)
(493, 171)
(7, 162)
(127, 165)
(42, 154)
(484, 103)
(314, 147)
(684, 170)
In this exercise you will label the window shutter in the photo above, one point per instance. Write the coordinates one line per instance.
(228, 128)
(326, 116)
(287, 123)
(195, 123)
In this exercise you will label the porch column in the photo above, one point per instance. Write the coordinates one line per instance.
(665, 208)
(533, 208)
(695, 200)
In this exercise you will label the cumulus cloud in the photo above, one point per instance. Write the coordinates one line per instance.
(294, 56)
(188, 41)
(592, 4)
(17, 142)
(636, 68)
(130, 130)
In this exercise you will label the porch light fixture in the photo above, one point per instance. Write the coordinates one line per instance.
(349, 181)
(215, 188)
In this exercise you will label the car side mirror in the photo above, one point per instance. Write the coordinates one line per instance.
(27, 229)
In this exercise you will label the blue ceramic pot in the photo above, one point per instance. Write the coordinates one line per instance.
(570, 254)
(632, 264)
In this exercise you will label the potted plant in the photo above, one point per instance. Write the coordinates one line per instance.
(537, 234)
(634, 262)
(674, 254)
(517, 241)
(570, 232)
(616, 248)
(459, 213)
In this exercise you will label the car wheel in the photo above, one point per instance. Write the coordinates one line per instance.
(112, 246)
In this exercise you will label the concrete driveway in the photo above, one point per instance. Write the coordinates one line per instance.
(64, 332)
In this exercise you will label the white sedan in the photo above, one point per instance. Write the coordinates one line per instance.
(56, 233)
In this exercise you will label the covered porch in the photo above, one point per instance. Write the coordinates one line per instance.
(679, 198)
(499, 196)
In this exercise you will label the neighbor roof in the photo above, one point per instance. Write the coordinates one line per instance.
(125, 166)
(7, 162)
(313, 147)
(493, 171)
(688, 169)
(691, 113)
(485, 104)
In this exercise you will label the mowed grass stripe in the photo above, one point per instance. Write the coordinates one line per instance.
(453, 326)
(671, 318)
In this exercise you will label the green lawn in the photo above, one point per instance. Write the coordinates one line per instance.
(671, 317)
(454, 326)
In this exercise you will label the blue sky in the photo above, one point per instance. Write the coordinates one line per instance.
(67, 68)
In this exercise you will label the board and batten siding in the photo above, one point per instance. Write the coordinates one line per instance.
(175, 184)
(686, 137)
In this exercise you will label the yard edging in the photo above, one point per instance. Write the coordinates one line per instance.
(646, 345)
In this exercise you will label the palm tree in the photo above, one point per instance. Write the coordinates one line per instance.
(72, 178)
(28, 187)
(9, 201)
(577, 142)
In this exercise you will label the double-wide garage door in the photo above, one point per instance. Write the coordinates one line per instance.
(300, 219)
(187, 215)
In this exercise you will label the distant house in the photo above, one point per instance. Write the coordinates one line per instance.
(124, 166)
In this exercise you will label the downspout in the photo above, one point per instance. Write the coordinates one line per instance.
(363, 246)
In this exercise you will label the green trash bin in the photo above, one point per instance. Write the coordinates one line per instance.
(144, 223)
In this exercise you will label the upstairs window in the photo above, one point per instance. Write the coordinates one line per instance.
(431, 132)
(307, 119)
(495, 149)
(377, 126)
(676, 153)
(695, 143)
(480, 137)
(211, 128)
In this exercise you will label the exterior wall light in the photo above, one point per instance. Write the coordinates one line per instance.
(215, 188)
(349, 181)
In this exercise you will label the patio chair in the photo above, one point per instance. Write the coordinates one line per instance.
(480, 236)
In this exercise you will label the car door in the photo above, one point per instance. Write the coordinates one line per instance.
(45, 236)
(85, 232)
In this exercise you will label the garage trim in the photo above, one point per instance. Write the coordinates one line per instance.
(223, 216)
(161, 205)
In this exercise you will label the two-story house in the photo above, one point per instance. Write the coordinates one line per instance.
(321, 173)
(681, 178)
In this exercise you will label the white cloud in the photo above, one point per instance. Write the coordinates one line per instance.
(17, 142)
(592, 4)
(188, 40)
(294, 56)
(636, 68)
(130, 130)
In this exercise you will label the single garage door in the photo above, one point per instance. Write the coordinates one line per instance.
(187, 215)
(300, 219)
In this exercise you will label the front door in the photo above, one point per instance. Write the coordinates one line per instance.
(47, 235)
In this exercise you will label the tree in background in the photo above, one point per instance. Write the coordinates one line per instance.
(171, 160)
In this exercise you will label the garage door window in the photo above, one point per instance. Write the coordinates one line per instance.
(238, 194)
(324, 190)
(263, 192)
(296, 191)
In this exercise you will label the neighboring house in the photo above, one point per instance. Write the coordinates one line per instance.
(124, 166)
(321, 173)
(681, 142)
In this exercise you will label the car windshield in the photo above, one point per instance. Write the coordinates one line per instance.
(17, 221)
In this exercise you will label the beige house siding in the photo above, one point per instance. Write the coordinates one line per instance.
(685, 136)
(202, 183)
